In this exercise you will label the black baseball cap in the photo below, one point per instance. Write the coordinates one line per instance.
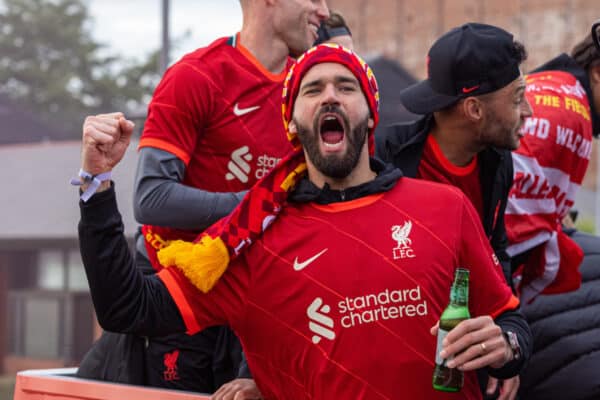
(325, 32)
(470, 60)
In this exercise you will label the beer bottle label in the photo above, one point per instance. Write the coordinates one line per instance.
(440, 338)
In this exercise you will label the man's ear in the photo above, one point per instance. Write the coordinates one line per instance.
(371, 123)
(473, 108)
(594, 77)
(594, 73)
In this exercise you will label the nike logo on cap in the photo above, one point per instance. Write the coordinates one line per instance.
(243, 111)
(470, 89)
(299, 266)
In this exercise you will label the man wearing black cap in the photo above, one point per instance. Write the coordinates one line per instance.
(474, 105)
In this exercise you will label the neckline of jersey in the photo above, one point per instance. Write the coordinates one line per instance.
(348, 205)
(235, 43)
(446, 164)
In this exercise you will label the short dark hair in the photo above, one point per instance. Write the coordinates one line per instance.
(335, 20)
(585, 52)
(519, 51)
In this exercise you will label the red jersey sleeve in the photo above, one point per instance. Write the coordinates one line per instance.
(223, 305)
(489, 294)
(179, 110)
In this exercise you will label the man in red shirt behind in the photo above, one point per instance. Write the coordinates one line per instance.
(338, 297)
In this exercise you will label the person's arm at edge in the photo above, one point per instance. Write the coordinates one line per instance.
(124, 299)
(500, 238)
(500, 245)
(161, 199)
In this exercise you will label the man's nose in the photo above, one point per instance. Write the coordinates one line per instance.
(322, 10)
(330, 95)
(526, 110)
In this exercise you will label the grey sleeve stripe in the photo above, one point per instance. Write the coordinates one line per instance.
(161, 199)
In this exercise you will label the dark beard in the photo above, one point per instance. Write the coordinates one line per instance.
(332, 165)
(497, 133)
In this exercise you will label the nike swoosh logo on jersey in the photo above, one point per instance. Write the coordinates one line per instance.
(299, 266)
(243, 111)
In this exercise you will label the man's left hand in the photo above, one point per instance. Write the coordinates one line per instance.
(475, 343)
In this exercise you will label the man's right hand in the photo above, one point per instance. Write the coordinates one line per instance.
(238, 389)
(105, 139)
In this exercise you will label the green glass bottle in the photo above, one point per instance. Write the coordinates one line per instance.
(444, 378)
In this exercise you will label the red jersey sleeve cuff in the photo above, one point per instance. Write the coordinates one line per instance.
(166, 146)
(175, 283)
(511, 304)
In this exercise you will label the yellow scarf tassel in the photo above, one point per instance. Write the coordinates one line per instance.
(202, 263)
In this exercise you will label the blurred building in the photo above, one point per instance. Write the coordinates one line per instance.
(405, 29)
(47, 317)
(21, 126)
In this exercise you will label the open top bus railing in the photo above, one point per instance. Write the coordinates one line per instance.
(61, 384)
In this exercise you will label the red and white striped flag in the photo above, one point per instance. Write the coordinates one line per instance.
(549, 168)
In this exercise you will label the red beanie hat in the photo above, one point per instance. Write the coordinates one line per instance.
(330, 53)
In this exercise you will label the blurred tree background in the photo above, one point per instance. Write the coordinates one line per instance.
(51, 66)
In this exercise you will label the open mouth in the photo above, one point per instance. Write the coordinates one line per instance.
(331, 130)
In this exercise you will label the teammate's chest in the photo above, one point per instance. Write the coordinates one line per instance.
(244, 139)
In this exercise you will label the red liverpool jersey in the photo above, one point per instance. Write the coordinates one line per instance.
(336, 301)
(549, 168)
(434, 166)
(219, 111)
